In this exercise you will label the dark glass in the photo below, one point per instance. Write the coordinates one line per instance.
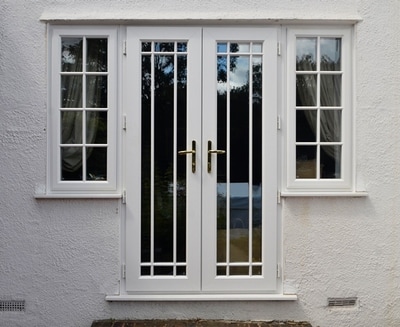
(306, 161)
(96, 91)
(71, 127)
(145, 271)
(181, 271)
(331, 161)
(71, 91)
(331, 90)
(96, 163)
(164, 271)
(71, 54)
(182, 160)
(306, 53)
(306, 125)
(257, 158)
(96, 127)
(239, 271)
(331, 125)
(96, 55)
(71, 163)
(331, 49)
(221, 271)
(256, 270)
(146, 46)
(182, 47)
(163, 158)
(146, 160)
(306, 90)
(164, 46)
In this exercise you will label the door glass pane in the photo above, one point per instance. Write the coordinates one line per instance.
(164, 121)
(239, 170)
(306, 53)
(71, 54)
(331, 53)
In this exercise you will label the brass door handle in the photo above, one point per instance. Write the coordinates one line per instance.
(193, 153)
(210, 152)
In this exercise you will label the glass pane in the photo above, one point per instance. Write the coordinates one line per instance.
(306, 90)
(71, 127)
(240, 47)
(164, 271)
(221, 271)
(239, 158)
(71, 91)
(182, 160)
(331, 161)
(145, 271)
(306, 161)
(96, 158)
(239, 271)
(306, 125)
(331, 87)
(146, 160)
(331, 53)
(256, 270)
(257, 47)
(96, 55)
(96, 91)
(164, 46)
(163, 157)
(181, 271)
(182, 46)
(306, 53)
(222, 47)
(146, 46)
(257, 159)
(71, 54)
(96, 127)
(71, 162)
(331, 125)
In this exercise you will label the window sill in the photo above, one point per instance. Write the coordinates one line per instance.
(355, 194)
(76, 196)
(202, 297)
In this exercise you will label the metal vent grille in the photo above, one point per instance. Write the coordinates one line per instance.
(12, 306)
(341, 301)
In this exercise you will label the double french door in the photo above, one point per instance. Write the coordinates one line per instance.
(201, 159)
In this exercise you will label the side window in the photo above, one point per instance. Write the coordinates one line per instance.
(82, 126)
(319, 113)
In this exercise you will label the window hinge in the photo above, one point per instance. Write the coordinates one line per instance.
(124, 122)
(278, 49)
(278, 122)
(124, 48)
(278, 270)
(124, 196)
(123, 271)
(278, 197)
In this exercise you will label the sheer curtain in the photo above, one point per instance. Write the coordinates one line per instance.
(73, 121)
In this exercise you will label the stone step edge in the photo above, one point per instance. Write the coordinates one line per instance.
(198, 323)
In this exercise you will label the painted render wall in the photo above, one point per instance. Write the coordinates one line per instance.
(62, 256)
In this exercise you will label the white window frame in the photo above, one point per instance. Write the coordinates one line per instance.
(55, 186)
(345, 184)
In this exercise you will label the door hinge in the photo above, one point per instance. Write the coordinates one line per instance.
(278, 49)
(278, 197)
(278, 123)
(123, 271)
(124, 122)
(124, 48)
(124, 196)
(278, 270)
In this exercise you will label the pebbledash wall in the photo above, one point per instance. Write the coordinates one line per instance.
(62, 256)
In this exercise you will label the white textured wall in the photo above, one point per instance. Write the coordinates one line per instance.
(62, 256)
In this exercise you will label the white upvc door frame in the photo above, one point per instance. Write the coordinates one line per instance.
(201, 186)
(267, 282)
(132, 95)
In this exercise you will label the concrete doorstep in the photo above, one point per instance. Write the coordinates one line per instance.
(197, 323)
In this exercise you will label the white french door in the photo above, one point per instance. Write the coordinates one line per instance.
(201, 159)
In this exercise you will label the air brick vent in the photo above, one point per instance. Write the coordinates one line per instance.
(342, 301)
(12, 306)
